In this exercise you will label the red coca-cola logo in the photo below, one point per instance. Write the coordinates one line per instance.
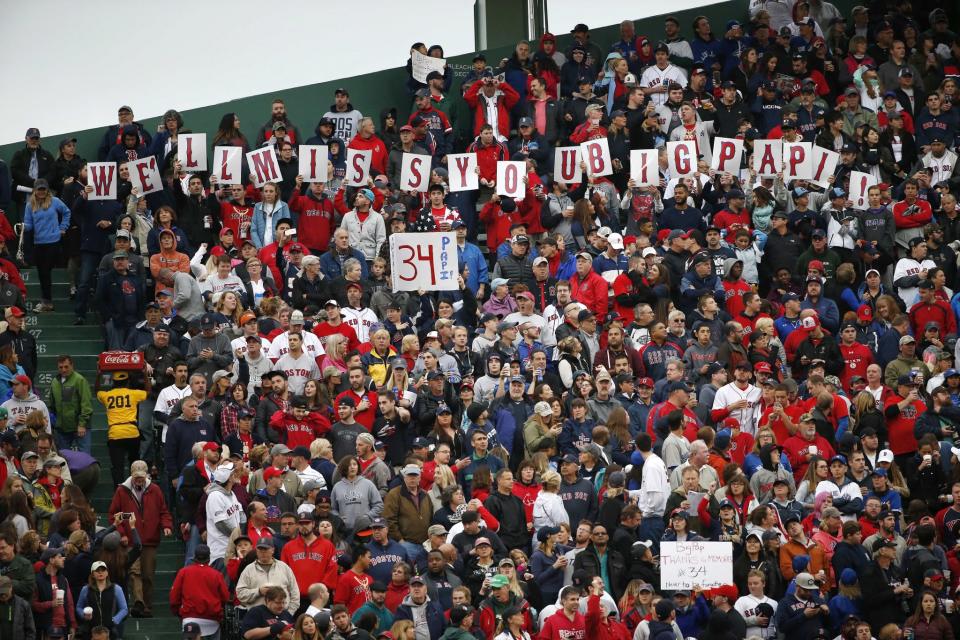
(113, 360)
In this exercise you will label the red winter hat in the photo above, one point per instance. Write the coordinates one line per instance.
(728, 591)
(815, 264)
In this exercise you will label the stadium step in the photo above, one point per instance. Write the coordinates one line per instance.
(55, 336)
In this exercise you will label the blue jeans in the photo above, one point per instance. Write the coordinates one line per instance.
(116, 335)
(72, 440)
(652, 529)
(89, 263)
(192, 544)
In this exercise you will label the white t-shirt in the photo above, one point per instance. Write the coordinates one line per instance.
(222, 506)
(298, 370)
(654, 76)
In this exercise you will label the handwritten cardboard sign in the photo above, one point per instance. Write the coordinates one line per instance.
(684, 565)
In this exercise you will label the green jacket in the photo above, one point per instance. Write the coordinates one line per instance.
(71, 401)
(453, 633)
(21, 573)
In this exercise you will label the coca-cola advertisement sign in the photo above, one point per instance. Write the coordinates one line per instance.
(121, 361)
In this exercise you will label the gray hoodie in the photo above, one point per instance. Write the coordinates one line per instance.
(351, 499)
(25, 406)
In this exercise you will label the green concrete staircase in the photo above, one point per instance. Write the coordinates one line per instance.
(56, 335)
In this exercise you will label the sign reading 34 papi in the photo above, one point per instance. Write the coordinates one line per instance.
(424, 261)
(684, 565)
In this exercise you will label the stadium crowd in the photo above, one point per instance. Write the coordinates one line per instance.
(717, 358)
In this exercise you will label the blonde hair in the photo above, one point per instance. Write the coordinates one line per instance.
(443, 477)
(39, 205)
(550, 480)
(320, 447)
(407, 343)
(336, 346)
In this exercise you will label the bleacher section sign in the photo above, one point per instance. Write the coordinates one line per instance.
(425, 261)
(685, 565)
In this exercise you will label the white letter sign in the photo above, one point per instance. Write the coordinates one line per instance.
(727, 154)
(227, 164)
(645, 167)
(596, 155)
(263, 165)
(684, 565)
(767, 157)
(824, 164)
(313, 159)
(422, 65)
(358, 167)
(682, 158)
(859, 184)
(462, 171)
(102, 176)
(144, 175)
(566, 165)
(414, 172)
(510, 175)
(797, 161)
(192, 152)
(424, 261)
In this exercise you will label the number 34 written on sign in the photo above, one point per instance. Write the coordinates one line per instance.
(424, 261)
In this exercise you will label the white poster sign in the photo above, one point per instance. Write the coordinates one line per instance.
(422, 65)
(645, 167)
(102, 176)
(824, 164)
(462, 171)
(682, 158)
(414, 172)
(192, 152)
(566, 165)
(596, 155)
(145, 175)
(860, 183)
(510, 175)
(727, 155)
(797, 161)
(767, 157)
(358, 167)
(227, 165)
(313, 160)
(264, 166)
(684, 565)
(424, 261)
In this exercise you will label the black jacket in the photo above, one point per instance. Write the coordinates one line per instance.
(509, 510)
(727, 119)
(588, 560)
(20, 166)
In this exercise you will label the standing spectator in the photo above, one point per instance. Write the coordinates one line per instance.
(105, 599)
(491, 103)
(120, 301)
(18, 612)
(266, 571)
(312, 558)
(199, 593)
(408, 510)
(29, 164)
(52, 602)
(71, 401)
(346, 119)
(138, 495)
(278, 115)
(48, 218)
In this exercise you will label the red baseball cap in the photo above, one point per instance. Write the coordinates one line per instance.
(16, 311)
(218, 251)
(815, 264)
(211, 446)
(271, 472)
(296, 246)
(865, 312)
(23, 379)
(763, 367)
(731, 423)
(645, 382)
